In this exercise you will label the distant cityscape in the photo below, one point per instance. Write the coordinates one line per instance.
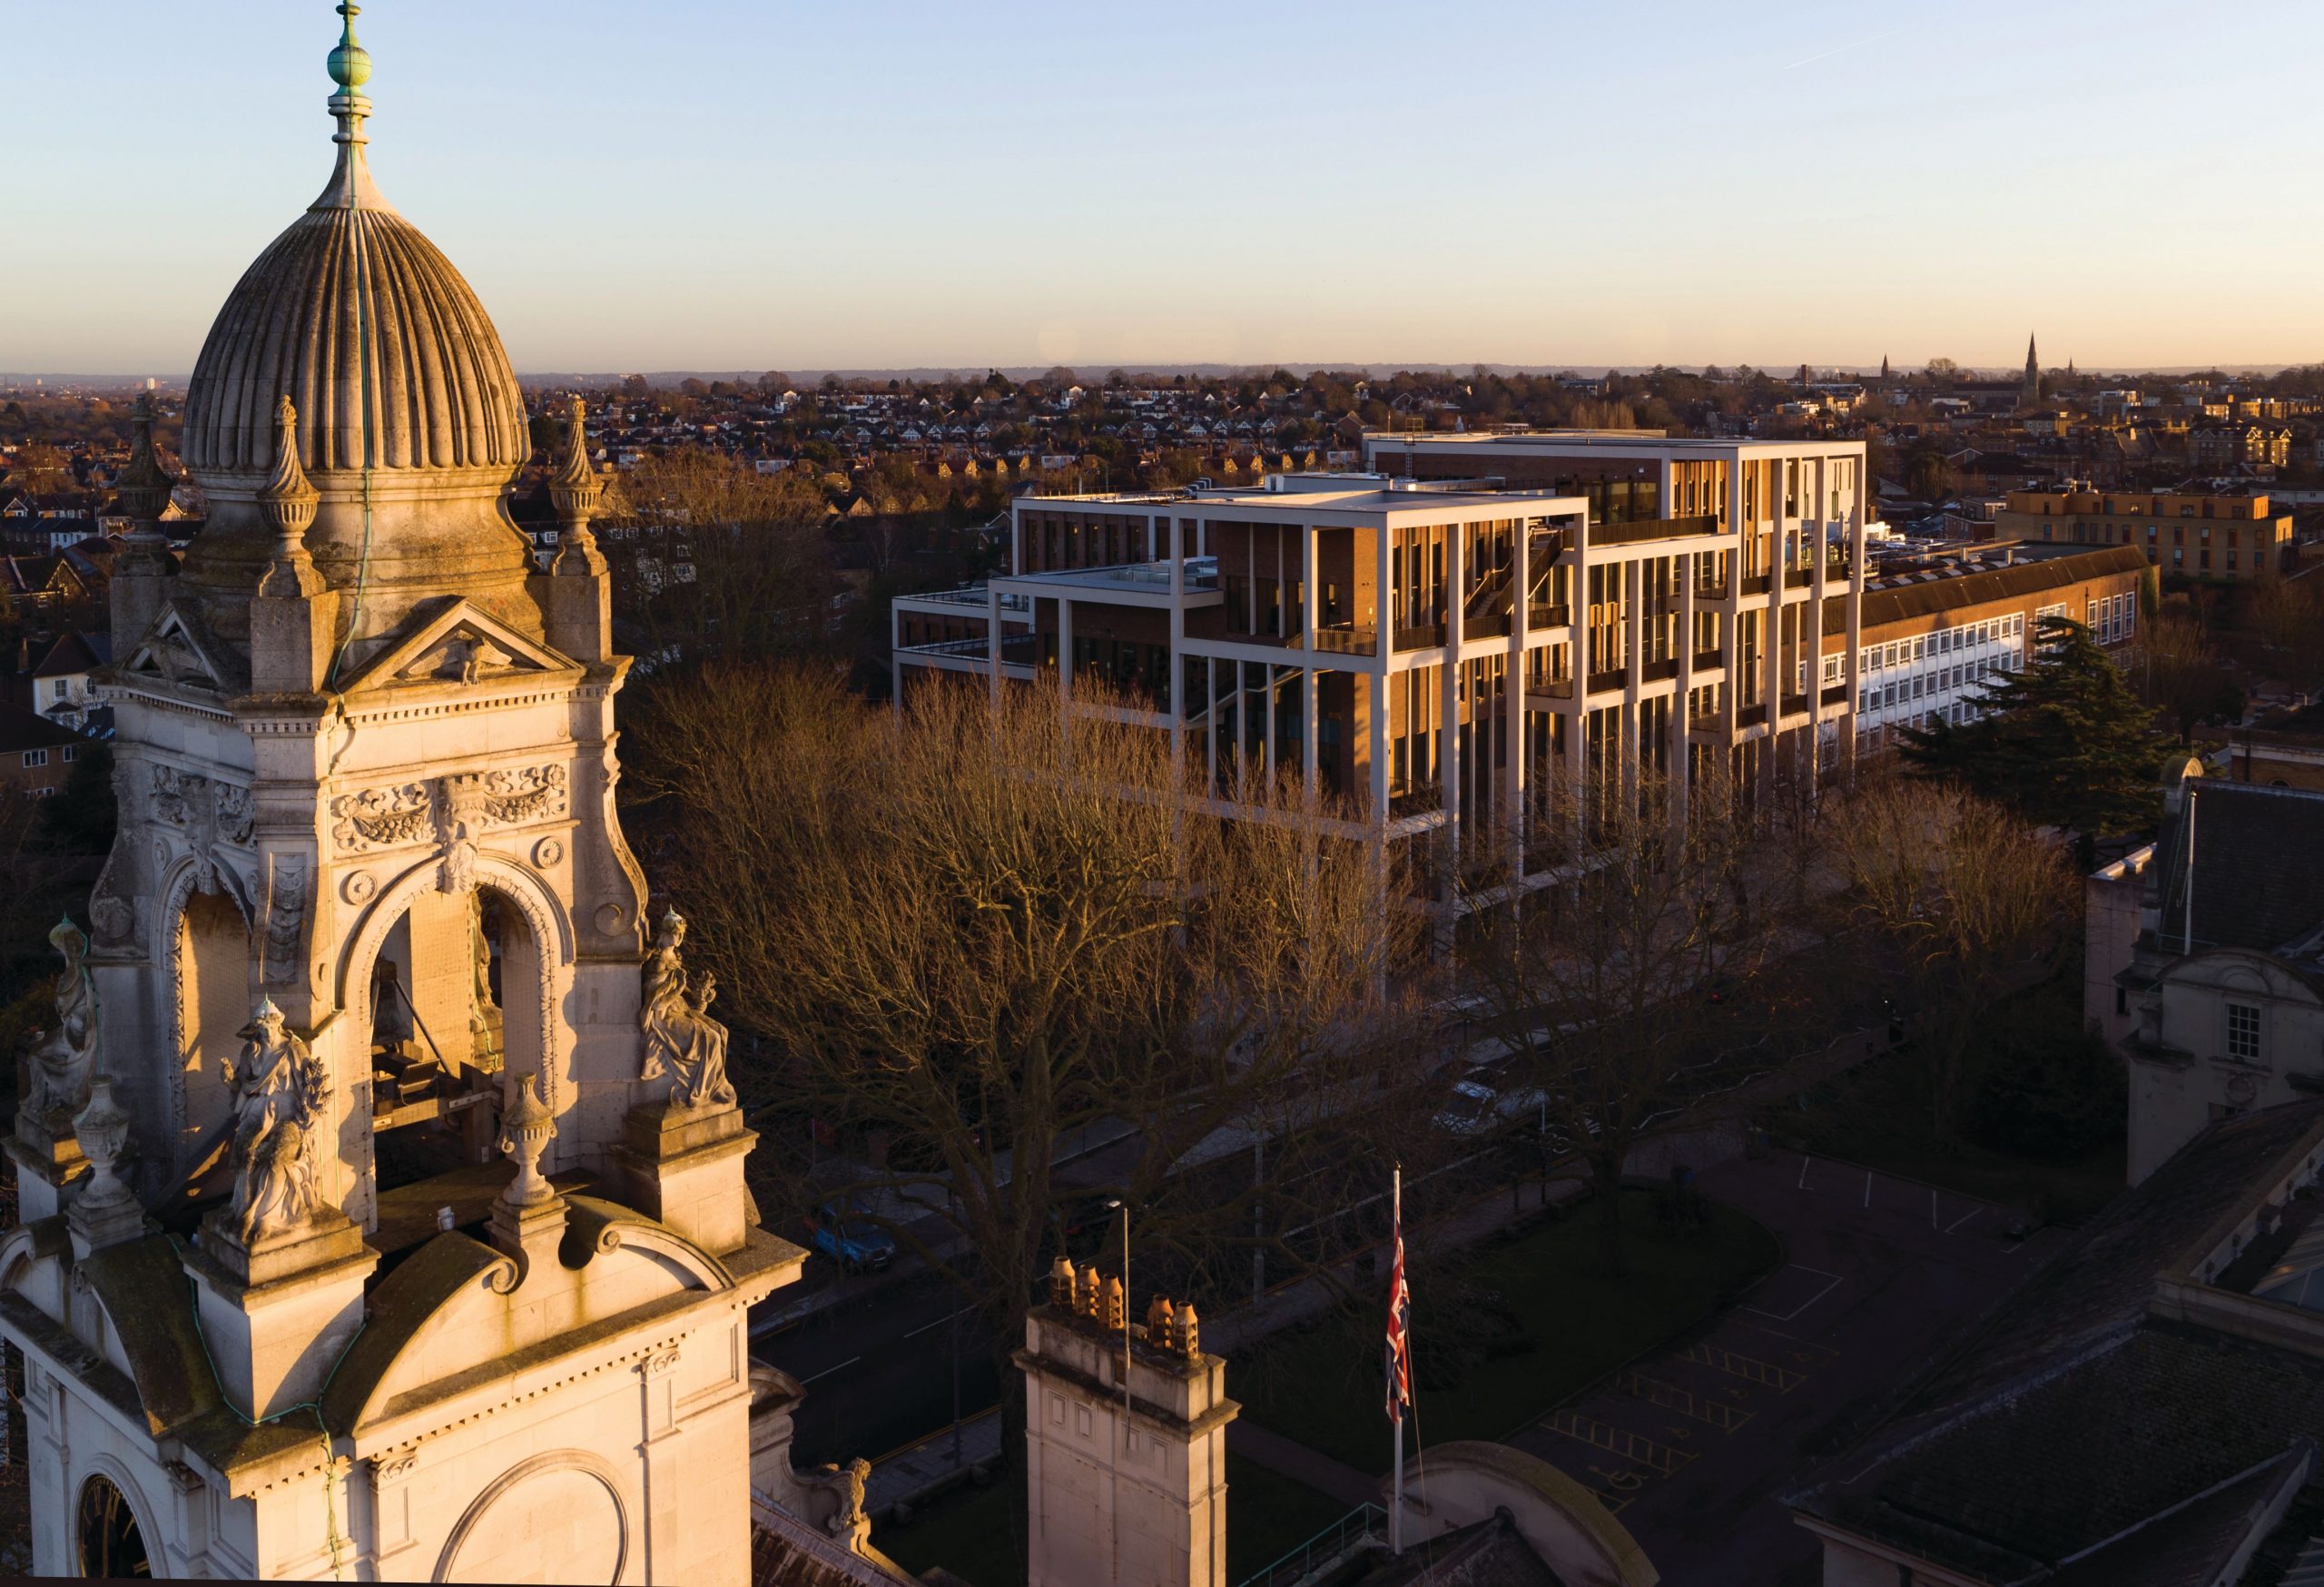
(1193, 975)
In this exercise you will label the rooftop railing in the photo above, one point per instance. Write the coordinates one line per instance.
(1364, 1526)
(1347, 638)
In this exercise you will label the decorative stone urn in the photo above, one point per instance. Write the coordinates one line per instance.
(525, 1133)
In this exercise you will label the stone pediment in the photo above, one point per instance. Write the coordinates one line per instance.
(458, 1315)
(179, 649)
(451, 640)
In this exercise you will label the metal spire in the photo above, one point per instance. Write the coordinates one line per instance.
(350, 68)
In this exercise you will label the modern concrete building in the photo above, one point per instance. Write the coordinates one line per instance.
(2196, 534)
(1439, 646)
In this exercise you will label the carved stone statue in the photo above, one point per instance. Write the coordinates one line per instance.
(278, 1087)
(682, 1039)
(844, 1484)
(60, 1058)
(488, 1026)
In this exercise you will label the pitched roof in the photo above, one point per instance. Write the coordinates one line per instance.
(1988, 1469)
(74, 651)
(2258, 865)
(21, 730)
(785, 1552)
(1972, 589)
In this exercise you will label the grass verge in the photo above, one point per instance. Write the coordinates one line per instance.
(967, 1530)
(1501, 1334)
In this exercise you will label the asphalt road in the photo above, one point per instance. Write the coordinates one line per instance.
(878, 1369)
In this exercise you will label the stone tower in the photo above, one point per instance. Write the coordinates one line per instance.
(383, 1193)
(2032, 392)
(1124, 1442)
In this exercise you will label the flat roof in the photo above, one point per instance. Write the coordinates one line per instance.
(1610, 440)
(1308, 497)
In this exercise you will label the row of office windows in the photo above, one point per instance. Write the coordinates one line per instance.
(1965, 637)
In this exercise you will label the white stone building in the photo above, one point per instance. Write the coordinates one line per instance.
(2215, 999)
(382, 1196)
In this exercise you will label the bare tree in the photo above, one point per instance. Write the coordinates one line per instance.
(712, 558)
(2179, 673)
(987, 932)
(1971, 901)
(1636, 986)
(2288, 617)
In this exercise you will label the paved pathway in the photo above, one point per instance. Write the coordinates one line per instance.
(1692, 1446)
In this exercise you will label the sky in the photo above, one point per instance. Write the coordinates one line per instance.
(755, 184)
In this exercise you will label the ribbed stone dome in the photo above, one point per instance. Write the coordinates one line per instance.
(442, 395)
(410, 428)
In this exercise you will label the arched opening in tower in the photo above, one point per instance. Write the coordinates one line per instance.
(453, 999)
(214, 987)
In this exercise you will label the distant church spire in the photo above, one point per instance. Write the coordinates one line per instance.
(1884, 366)
(2033, 372)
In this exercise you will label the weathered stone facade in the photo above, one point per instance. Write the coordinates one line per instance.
(370, 931)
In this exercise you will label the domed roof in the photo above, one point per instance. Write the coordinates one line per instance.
(411, 425)
(352, 302)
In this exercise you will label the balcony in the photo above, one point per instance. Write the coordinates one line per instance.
(1550, 689)
(1644, 530)
(1798, 577)
(1347, 639)
(1757, 583)
(1751, 716)
(1418, 637)
(1712, 589)
(1545, 614)
(1655, 672)
(1710, 660)
(1609, 681)
(1837, 694)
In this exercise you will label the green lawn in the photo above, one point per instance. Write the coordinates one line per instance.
(967, 1532)
(1500, 1335)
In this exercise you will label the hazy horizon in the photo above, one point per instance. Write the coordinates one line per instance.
(712, 186)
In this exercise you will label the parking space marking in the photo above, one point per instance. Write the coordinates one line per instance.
(1620, 1442)
(1749, 1368)
(1807, 1352)
(1787, 1316)
(1684, 1402)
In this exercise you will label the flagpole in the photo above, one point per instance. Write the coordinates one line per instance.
(1396, 1515)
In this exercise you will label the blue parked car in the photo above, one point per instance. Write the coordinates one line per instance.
(844, 1234)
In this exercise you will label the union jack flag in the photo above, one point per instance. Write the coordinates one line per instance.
(1400, 1307)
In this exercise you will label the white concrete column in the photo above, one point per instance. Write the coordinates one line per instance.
(992, 640)
(1855, 618)
(1165, 541)
(1513, 692)
(1375, 684)
(1633, 632)
(1449, 684)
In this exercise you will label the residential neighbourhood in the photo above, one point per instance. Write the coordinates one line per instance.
(1053, 946)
